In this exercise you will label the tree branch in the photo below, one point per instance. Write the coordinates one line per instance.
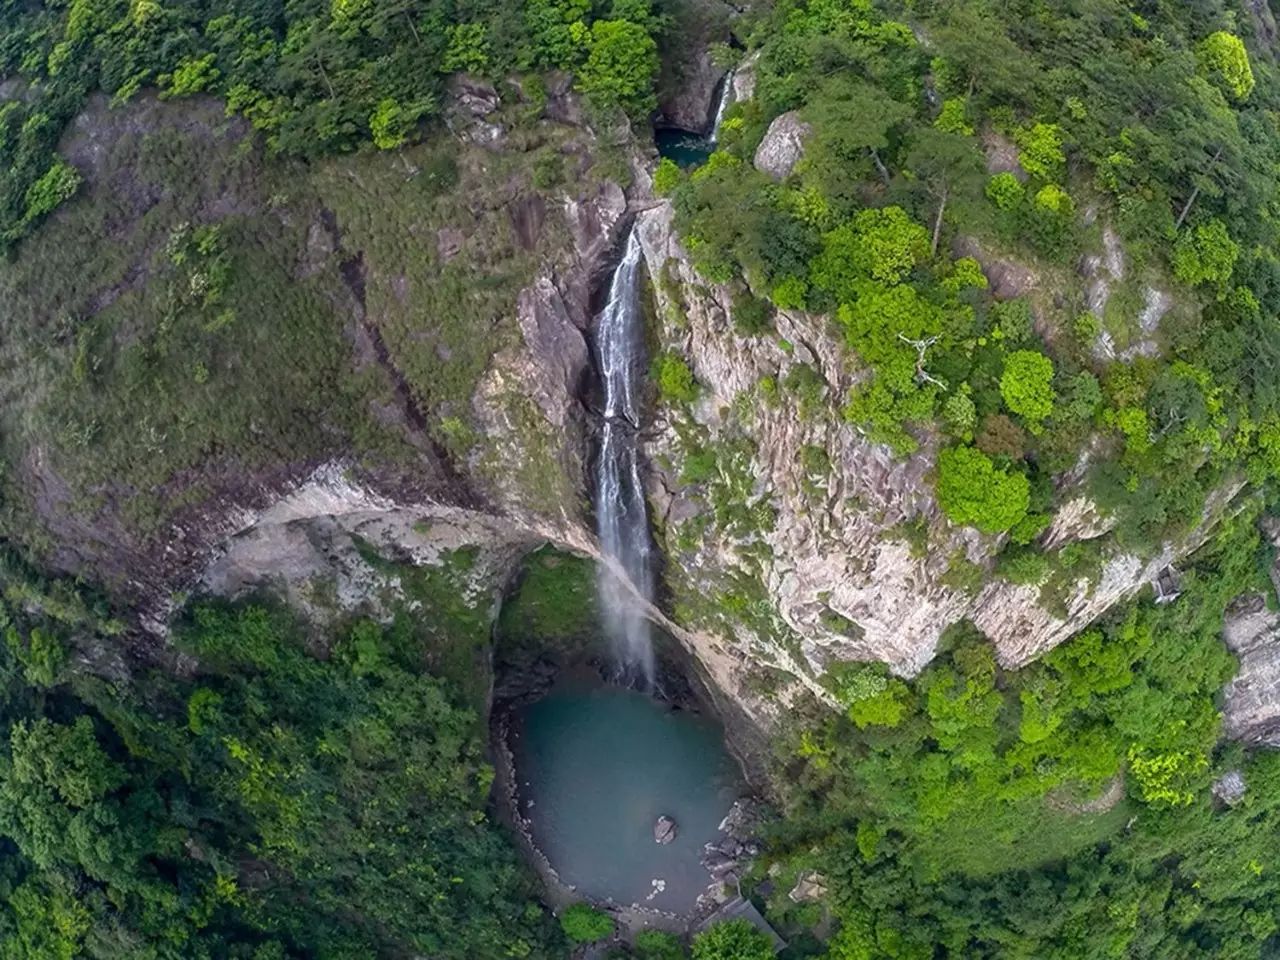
(884, 171)
(937, 222)
(922, 347)
(1186, 208)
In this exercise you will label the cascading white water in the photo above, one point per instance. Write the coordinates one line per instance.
(726, 98)
(621, 516)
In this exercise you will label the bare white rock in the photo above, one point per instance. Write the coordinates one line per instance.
(782, 146)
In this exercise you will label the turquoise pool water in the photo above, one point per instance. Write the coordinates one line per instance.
(686, 149)
(597, 765)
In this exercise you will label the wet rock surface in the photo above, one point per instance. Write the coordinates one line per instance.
(728, 858)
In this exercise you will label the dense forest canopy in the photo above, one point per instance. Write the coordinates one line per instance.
(268, 804)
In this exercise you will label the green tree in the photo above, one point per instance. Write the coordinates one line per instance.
(658, 945)
(1205, 254)
(583, 923)
(558, 31)
(1222, 55)
(883, 245)
(193, 75)
(1027, 385)
(1005, 191)
(973, 492)
(732, 940)
(853, 122)
(469, 48)
(621, 66)
(1040, 150)
(948, 164)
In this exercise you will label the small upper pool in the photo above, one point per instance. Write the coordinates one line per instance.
(597, 765)
(685, 148)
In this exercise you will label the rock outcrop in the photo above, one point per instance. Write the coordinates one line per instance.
(782, 146)
(664, 830)
(689, 75)
(1251, 709)
(744, 78)
(692, 98)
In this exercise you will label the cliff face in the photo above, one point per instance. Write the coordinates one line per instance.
(851, 550)
(790, 541)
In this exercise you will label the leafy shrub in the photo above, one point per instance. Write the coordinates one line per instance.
(952, 117)
(960, 415)
(583, 923)
(751, 315)
(1026, 385)
(1223, 56)
(1005, 191)
(732, 940)
(666, 177)
(790, 293)
(1051, 219)
(699, 466)
(1040, 150)
(1205, 254)
(674, 378)
(41, 654)
(973, 492)
(468, 48)
(1025, 567)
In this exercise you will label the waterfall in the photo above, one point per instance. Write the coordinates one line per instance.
(621, 517)
(726, 97)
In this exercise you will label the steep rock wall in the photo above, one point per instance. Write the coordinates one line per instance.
(858, 561)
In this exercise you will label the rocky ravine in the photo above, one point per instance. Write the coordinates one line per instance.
(832, 576)
(840, 579)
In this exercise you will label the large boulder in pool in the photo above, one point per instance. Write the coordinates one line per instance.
(664, 830)
(782, 146)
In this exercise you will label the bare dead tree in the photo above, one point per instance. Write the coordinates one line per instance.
(1186, 208)
(937, 222)
(880, 167)
(922, 348)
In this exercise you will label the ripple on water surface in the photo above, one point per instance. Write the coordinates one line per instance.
(601, 764)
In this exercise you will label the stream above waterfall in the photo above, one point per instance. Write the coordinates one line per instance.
(596, 765)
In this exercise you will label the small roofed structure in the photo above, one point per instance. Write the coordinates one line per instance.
(740, 908)
(1167, 585)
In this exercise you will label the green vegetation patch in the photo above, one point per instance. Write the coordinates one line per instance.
(266, 805)
(554, 601)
